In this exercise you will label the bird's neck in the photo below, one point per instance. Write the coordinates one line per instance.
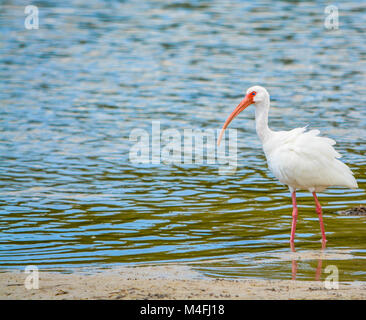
(261, 120)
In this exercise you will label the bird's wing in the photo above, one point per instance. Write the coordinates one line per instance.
(305, 160)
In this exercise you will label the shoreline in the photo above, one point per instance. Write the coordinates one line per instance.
(165, 282)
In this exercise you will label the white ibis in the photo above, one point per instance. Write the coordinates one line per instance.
(298, 158)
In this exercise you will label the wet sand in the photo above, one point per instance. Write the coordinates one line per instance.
(165, 282)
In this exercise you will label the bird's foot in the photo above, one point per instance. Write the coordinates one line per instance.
(324, 243)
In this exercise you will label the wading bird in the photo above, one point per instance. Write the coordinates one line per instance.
(298, 158)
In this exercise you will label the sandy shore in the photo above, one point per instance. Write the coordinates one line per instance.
(166, 282)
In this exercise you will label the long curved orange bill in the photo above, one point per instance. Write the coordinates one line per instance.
(241, 106)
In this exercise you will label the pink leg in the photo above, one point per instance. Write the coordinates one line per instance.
(294, 216)
(319, 211)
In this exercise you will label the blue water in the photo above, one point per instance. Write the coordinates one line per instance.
(73, 90)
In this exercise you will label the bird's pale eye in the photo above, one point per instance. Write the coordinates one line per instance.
(254, 93)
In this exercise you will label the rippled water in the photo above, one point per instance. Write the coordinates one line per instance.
(73, 90)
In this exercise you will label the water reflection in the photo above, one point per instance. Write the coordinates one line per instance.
(318, 271)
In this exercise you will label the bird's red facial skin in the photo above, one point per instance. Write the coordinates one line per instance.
(247, 101)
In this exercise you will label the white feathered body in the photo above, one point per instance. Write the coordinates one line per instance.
(303, 160)
(298, 158)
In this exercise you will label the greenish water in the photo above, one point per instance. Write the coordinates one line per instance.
(73, 90)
